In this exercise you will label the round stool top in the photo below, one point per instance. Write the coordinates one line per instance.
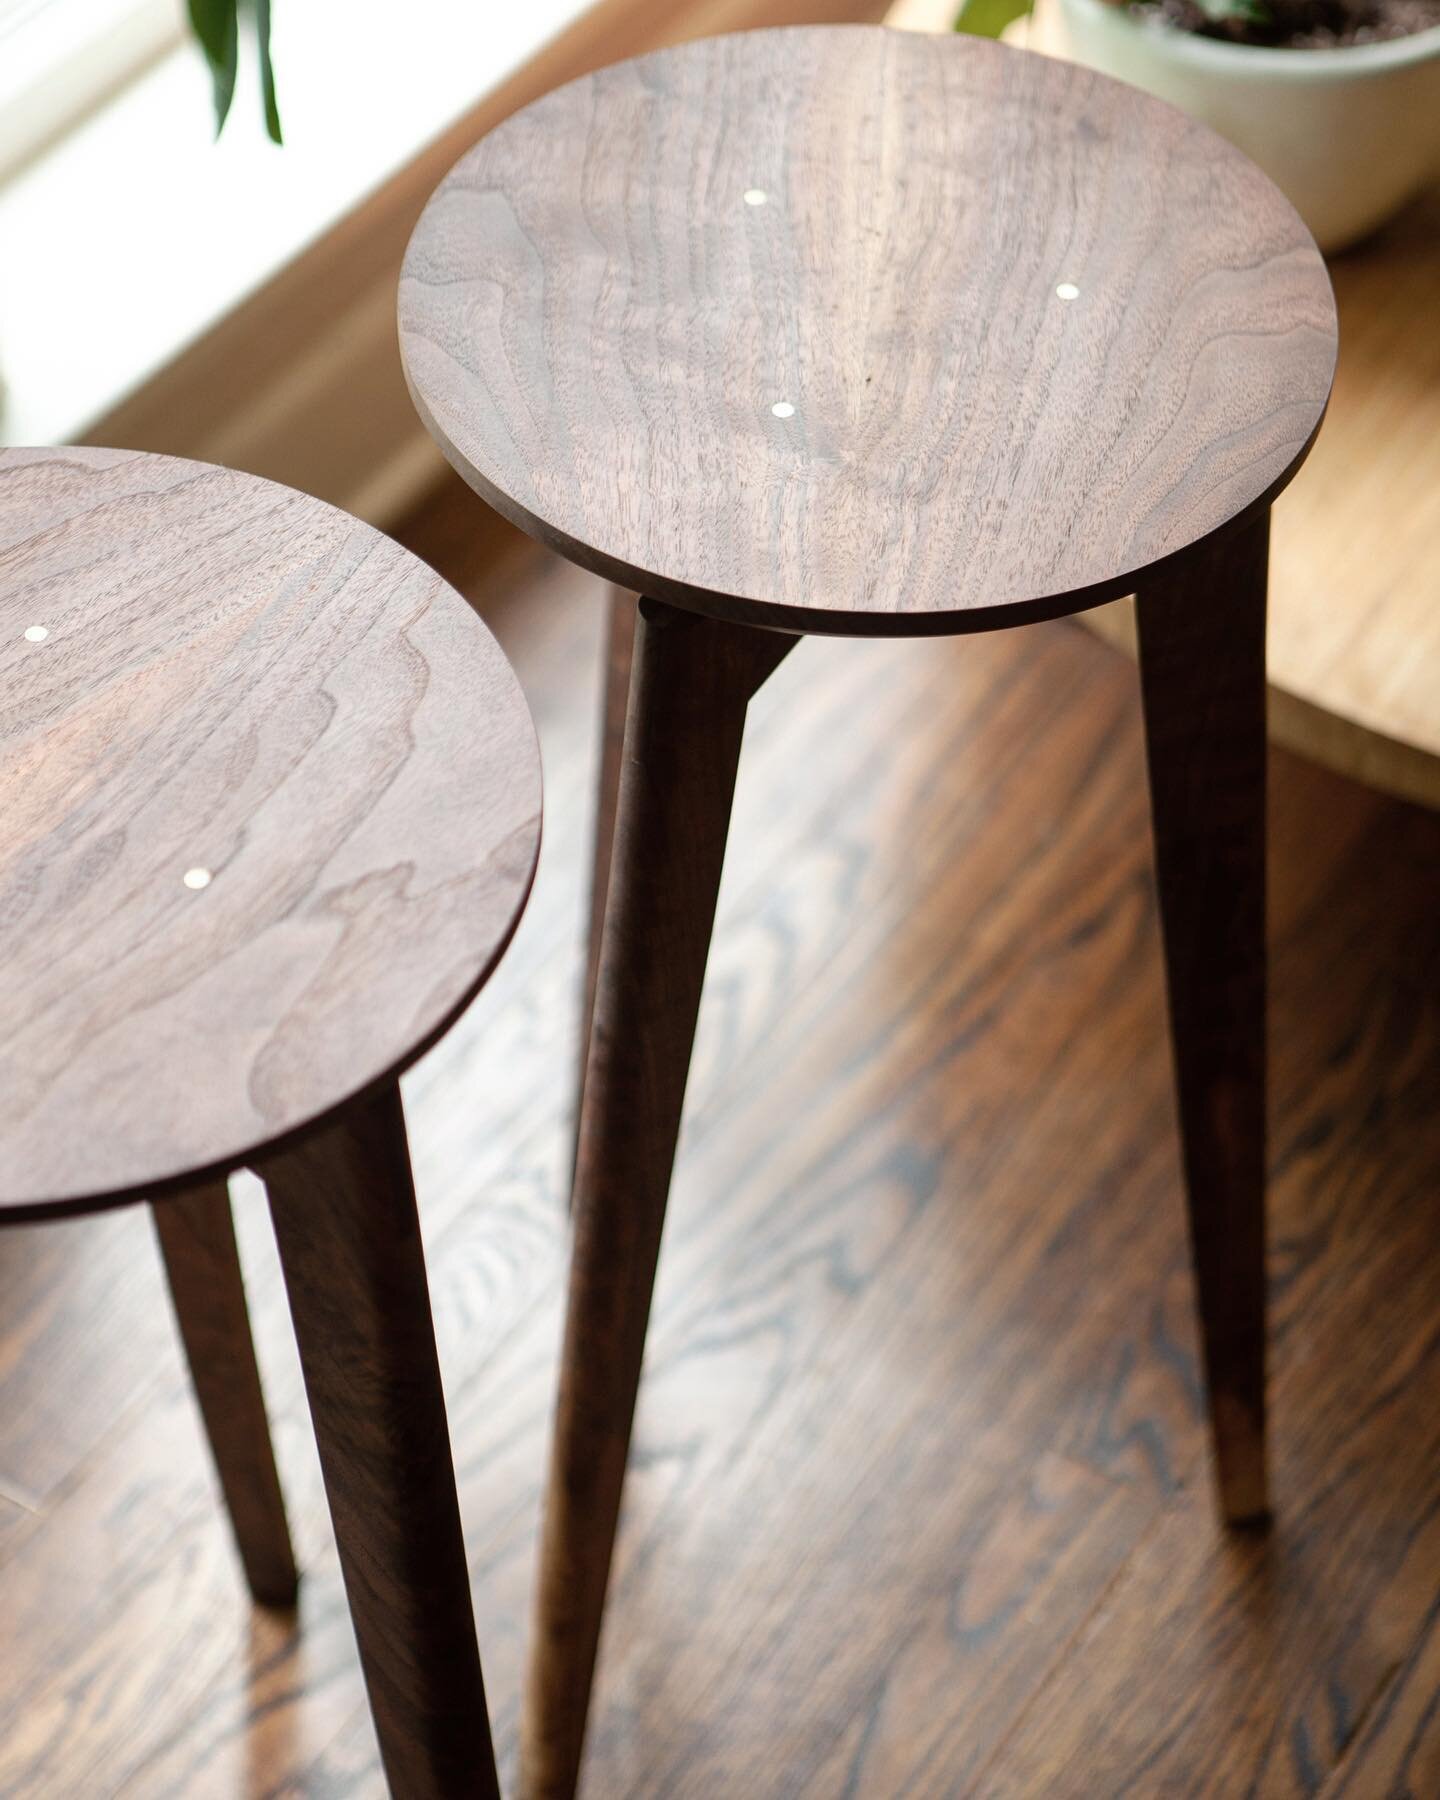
(843, 329)
(269, 812)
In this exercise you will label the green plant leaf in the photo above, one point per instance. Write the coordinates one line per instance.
(217, 32)
(267, 71)
(988, 18)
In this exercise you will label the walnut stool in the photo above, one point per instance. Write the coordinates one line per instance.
(271, 808)
(855, 331)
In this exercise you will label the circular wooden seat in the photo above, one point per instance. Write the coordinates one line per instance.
(840, 329)
(846, 330)
(271, 811)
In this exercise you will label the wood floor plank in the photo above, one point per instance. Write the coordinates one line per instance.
(919, 1502)
(65, 1298)
(1260, 1661)
(1396, 1748)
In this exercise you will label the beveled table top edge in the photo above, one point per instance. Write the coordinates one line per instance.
(796, 618)
(799, 621)
(158, 1189)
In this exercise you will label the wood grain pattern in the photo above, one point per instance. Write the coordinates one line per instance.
(343, 1204)
(222, 689)
(1354, 640)
(597, 327)
(917, 1400)
(237, 679)
(1202, 682)
(202, 1267)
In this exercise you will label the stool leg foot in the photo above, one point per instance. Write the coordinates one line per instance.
(1202, 663)
(692, 681)
(202, 1265)
(343, 1204)
(619, 648)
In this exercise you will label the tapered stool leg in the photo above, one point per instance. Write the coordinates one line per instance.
(202, 1265)
(691, 682)
(344, 1209)
(619, 648)
(1202, 663)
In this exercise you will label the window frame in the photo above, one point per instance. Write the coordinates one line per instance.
(59, 63)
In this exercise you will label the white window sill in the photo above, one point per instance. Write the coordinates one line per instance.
(135, 233)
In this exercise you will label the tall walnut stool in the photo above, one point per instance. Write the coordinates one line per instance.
(269, 814)
(852, 331)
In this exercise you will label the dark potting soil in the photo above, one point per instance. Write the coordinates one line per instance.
(1295, 24)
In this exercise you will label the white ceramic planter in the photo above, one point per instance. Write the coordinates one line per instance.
(1350, 135)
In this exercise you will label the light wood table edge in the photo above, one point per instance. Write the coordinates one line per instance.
(1361, 752)
(1352, 746)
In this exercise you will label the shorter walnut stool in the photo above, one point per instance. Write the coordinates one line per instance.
(874, 334)
(269, 814)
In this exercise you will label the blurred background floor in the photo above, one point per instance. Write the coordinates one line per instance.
(919, 1502)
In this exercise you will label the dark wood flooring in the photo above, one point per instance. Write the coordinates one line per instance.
(919, 1502)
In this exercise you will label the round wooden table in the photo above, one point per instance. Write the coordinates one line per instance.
(856, 332)
(1354, 648)
(269, 813)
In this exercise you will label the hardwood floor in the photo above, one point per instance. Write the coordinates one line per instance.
(919, 1504)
